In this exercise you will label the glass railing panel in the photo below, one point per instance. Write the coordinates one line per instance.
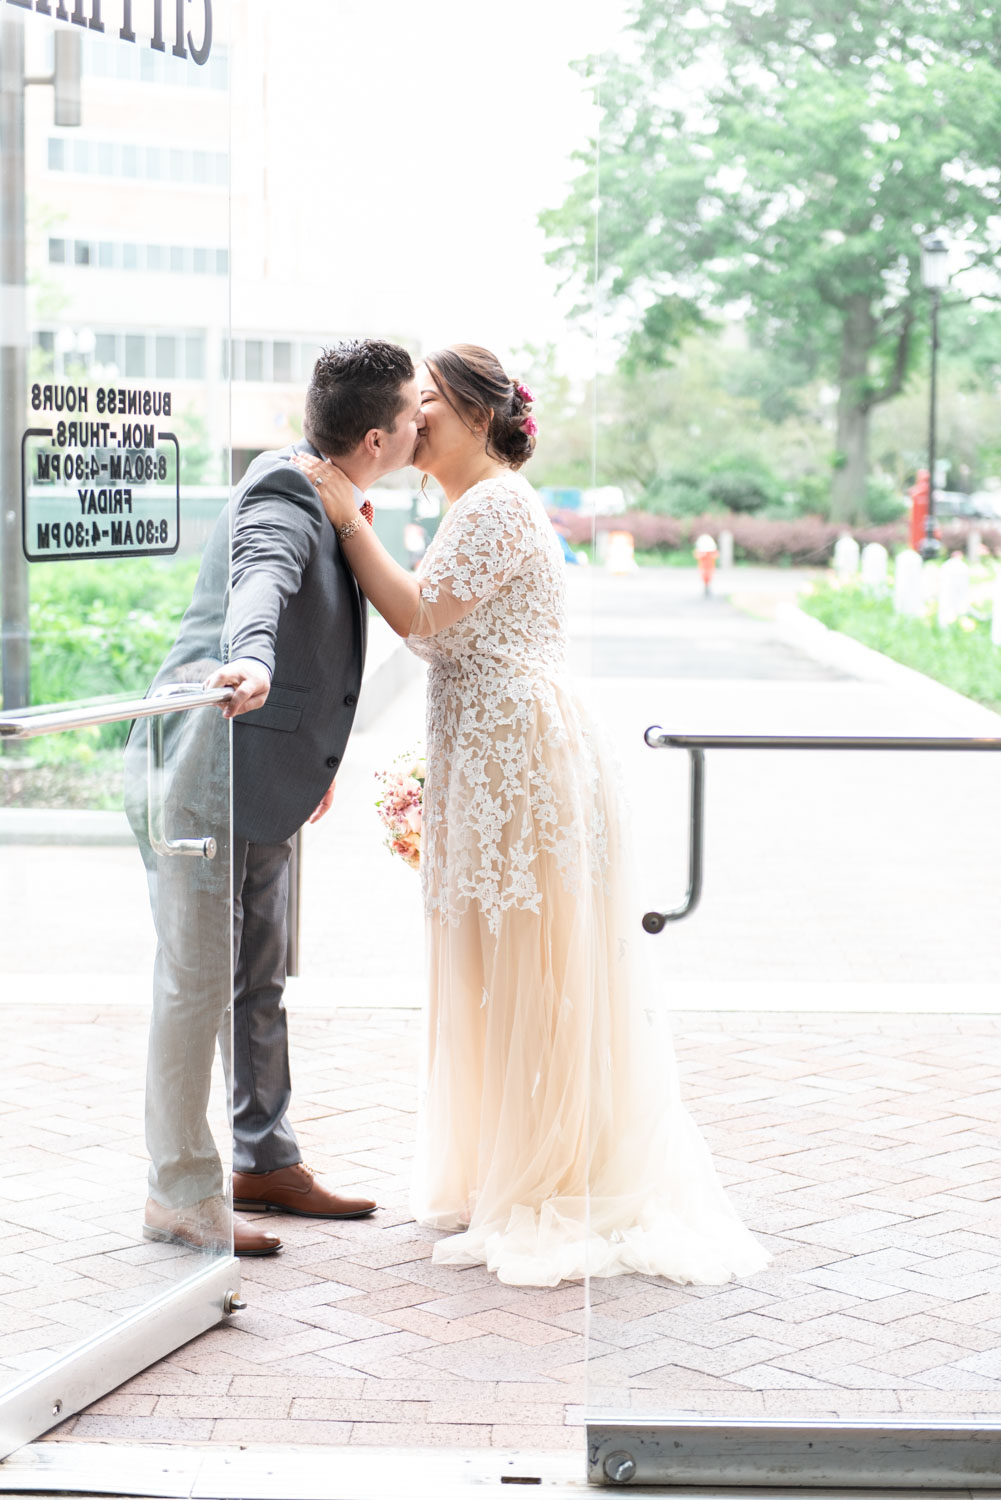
(115, 467)
(833, 999)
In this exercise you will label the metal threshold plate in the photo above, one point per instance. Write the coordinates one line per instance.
(270, 1472)
(716, 1454)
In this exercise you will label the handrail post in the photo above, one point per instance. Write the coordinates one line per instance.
(656, 921)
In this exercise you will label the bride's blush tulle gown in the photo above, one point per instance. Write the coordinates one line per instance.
(551, 1133)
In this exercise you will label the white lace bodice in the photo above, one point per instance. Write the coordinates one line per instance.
(493, 592)
(505, 748)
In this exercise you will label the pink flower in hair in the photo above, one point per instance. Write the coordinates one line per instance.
(530, 426)
(524, 393)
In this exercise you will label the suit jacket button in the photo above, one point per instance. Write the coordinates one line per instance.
(333, 760)
(350, 700)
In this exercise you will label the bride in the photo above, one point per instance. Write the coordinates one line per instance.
(552, 1138)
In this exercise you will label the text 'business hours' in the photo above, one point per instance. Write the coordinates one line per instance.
(102, 478)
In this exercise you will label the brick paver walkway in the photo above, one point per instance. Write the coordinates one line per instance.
(865, 1153)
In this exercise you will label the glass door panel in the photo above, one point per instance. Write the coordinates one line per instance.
(115, 460)
(833, 996)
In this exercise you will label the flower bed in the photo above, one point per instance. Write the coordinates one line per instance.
(961, 656)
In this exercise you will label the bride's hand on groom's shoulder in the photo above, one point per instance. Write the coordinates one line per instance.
(332, 485)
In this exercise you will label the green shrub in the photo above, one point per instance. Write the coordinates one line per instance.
(734, 482)
(884, 502)
(739, 484)
(961, 656)
(99, 628)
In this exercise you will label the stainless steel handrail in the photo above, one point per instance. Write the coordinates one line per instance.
(170, 698)
(697, 744)
(29, 723)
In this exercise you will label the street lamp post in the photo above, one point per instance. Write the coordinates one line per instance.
(15, 644)
(934, 277)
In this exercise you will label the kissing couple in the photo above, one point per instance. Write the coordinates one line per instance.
(552, 1141)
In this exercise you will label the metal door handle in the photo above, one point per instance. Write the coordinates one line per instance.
(155, 788)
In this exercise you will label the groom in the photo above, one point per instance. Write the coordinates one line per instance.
(287, 633)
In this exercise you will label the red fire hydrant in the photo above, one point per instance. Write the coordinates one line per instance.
(706, 553)
(919, 509)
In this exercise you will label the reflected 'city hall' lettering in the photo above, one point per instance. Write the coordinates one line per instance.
(94, 21)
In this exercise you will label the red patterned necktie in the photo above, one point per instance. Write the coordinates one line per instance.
(365, 509)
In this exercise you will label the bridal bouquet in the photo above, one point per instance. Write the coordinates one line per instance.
(400, 805)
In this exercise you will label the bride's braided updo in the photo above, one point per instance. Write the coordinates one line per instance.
(473, 382)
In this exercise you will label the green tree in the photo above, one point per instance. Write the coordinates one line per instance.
(782, 159)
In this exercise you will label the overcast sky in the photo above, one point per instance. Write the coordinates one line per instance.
(419, 144)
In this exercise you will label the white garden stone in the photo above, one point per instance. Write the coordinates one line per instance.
(953, 590)
(846, 556)
(875, 559)
(908, 593)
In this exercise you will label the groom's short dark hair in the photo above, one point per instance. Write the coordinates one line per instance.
(355, 386)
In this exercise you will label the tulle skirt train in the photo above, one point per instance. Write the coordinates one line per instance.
(552, 1136)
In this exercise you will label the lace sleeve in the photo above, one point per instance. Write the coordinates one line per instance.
(487, 540)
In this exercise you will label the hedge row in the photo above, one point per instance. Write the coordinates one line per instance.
(804, 540)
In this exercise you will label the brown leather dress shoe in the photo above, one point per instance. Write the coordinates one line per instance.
(295, 1190)
(205, 1226)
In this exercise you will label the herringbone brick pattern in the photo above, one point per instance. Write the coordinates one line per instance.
(864, 1150)
(72, 1183)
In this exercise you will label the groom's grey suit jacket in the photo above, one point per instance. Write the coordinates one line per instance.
(293, 604)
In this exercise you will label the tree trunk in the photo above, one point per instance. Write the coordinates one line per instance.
(854, 406)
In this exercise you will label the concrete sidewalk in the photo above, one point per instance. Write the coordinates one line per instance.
(833, 882)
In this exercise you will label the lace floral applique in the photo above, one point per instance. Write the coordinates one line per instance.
(507, 754)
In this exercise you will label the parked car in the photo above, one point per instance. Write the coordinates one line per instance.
(954, 505)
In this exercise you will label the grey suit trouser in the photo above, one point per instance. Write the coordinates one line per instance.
(190, 900)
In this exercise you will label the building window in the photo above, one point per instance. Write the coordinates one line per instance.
(102, 59)
(200, 260)
(152, 163)
(194, 356)
(106, 349)
(277, 361)
(253, 357)
(166, 356)
(135, 355)
(281, 362)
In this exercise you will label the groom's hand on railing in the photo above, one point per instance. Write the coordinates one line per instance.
(250, 681)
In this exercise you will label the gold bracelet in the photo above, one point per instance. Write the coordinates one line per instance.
(348, 529)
